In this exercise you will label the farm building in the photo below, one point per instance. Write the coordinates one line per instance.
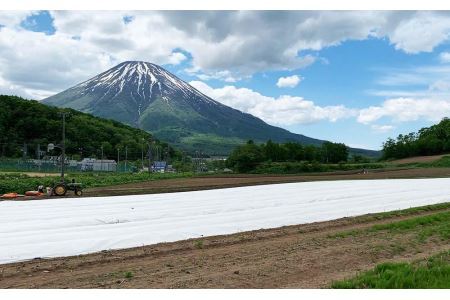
(92, 164)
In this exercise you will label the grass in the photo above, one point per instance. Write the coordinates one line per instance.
(437, 224)
(443, 162)
(310, 167)
(17, 182)
(403, 212)
(433, 273)
(198, 244)
(128, 275)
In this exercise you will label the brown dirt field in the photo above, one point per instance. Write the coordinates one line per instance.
(226, 181)
(237, 180)
(300, 256)
(419, 159)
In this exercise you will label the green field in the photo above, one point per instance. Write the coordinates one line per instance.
(443, 162)
(17, 182)
(437, 224)
(432, 273)
(434, 227)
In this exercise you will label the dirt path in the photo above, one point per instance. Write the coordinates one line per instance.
(419, 159)
(289, 257)
(214, 182)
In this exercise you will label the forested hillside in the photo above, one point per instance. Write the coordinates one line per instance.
(28, 124)
(248, 157)
(427, 141)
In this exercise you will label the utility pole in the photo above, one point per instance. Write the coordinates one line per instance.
(101, 162)
(126, 157)
(168, 155)
(118, 159)
(63, 144)
(38, 150)
(24, 151)
(149, 156)
(142, 154)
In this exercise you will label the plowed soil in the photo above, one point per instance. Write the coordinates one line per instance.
(419, 159)
(300, 256)
(224, 181)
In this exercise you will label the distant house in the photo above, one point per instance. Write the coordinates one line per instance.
(92, 164)
(159, 166)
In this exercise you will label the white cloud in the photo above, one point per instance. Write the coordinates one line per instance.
(382, 128)
(13, 18)
(444, 57)
(225, 45)
(226, 75)
(289, 81)
(27, 65)
(421, 32)
(284, 110)
(406, 109)
(440, 86)
(176, 58)
(430, 81)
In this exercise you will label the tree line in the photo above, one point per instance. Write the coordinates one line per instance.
(28, 122)
(427, 141)
(247, 157)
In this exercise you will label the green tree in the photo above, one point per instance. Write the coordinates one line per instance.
(246, 157)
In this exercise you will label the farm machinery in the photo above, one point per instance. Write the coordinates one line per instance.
(61, 188)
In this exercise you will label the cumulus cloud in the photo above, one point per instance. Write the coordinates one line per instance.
(445, 57)
(176, 58)
(224, 45)
(382, 128)
(406, 109)
(289, 81)
(421, 32)
(13, 18)
(284, 110)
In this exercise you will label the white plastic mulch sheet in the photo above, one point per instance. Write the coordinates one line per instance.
(63, 227)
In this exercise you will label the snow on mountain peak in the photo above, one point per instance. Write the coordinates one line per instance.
(140, 79)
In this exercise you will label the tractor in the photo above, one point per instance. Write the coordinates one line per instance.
(61, 188)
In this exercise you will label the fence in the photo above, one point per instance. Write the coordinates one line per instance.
(21, 165)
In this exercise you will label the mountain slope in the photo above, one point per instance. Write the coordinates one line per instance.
(147, 96)
(32, 123)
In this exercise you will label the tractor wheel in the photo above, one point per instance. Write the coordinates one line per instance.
(79, 193)
(60, 190)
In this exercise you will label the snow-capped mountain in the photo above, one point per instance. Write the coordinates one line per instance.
(147, 96)
(131, 87)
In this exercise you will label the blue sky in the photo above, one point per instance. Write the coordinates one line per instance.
(352, 77)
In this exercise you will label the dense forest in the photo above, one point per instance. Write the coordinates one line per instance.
(247, 157)
(427, 141)
(27, 125)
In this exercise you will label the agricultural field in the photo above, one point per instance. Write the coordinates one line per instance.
(319, 254)
(21, 182)
(433, 272)
(288, 256)
(104, 223)
(418, 159)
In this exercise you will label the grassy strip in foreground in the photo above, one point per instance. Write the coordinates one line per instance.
(437, 224)
(20, 182)
(403, 212)
(431, 273)
(443, 162)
